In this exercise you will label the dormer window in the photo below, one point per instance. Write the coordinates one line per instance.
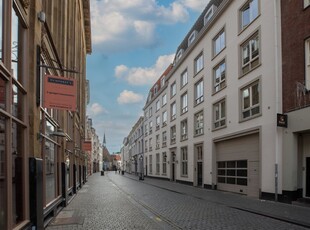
(163, 81)
(209, 14)
(155, 89)
(192, 37)
(179, 54)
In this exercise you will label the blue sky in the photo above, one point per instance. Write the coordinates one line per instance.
(133, 42)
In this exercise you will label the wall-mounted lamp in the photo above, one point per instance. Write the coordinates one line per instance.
(41, 16)
(58, 133)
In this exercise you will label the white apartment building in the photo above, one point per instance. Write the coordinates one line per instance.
(210, 120)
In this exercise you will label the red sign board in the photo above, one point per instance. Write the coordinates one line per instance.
(87, 146)
(59, 93)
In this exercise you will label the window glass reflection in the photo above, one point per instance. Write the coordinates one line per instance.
(17, 171)
(50, 160)
(15, 45)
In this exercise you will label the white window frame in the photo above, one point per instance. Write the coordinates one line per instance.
(158, 122)
(173, 89)
(219, 114)
(150, 112)
(157, 141)
(164, 139)
(173, 111)
(184, 130)
(199, 123)
(219, 42)
(164, 99)
(252, 107)
(219, 76)
(155, 89)
(184, 161)
(306, 3)
(157, 164)
(184, 103)
(184, 78)
(209, 14)
(198, 63)
(150, 126)
(157, 105)
(199, 92)
(165, 117)
(173, 134)
(192, 37)
(248, 62)
(163, 81)
(179, 54)
(164, 163)
(253, 13)
(150, 144)
(145, 146)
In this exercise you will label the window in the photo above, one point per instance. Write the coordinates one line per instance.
(184, 103)
(164, 155)
(157, 105)
(219, 77)
(199, 92)
(184, 79)
(183, 130)
(151, 126)
(157, 123)
(157, 164)
(192, 37)
(150, 164)
(250, 54)
(199, 123)
(145, 146)
(163, 81)
(209, 14)
(173, 89)
(164, 144)
(173, 134)
(307, 63)
(150, 144)
(250, 97)
(150, 112)
(248, 13)
(219, 114)
(184, 161)
(165, 118)
(146, 129)
(232, 172)
(179, 54)
(219, 43)
(173, 111)
(306, 3)
(145, 115)
(164, 99)
(157, 141)
(198, 63)
(155, 89)
(199, 153)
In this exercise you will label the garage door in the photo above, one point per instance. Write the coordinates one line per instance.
(238, 165)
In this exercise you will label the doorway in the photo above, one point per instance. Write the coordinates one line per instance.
(173, 160)
(199, 173)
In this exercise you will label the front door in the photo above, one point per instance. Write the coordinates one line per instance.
(307, 176)
(172, 178)
(199, 173)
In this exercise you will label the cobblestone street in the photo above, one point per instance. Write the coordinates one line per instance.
(114, 201)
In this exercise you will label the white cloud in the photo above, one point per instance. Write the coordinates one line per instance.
(197, 5)
(95, 109)
(144, 76)
(129, 97)
(122, 24)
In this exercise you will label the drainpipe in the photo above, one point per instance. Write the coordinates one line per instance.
(277, 96)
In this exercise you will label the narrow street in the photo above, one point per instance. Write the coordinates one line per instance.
(115, 201)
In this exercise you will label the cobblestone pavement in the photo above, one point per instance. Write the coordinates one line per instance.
(114, 201)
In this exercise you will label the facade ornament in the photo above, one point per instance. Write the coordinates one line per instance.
(25, 3)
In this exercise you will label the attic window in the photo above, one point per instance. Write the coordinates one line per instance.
(209, 14)
(192, 37)
(155, 90)
(163, 81)
(179, 54)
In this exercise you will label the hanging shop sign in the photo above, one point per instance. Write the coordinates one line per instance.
(59, 93)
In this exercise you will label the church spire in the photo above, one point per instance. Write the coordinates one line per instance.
(104, 142)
